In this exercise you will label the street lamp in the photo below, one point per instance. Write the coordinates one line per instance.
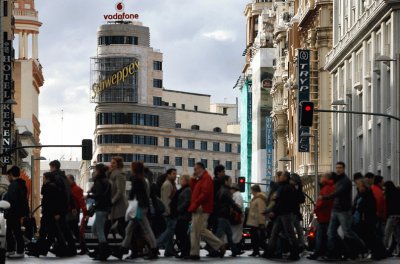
(286, 159)
(309, 135)
(33, 159)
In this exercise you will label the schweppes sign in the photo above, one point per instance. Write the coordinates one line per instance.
(115, 79)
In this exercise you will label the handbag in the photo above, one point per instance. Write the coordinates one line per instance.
(235, 217)
(132, 209)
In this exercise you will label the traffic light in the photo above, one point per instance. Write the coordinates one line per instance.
(307, 112)
(242, 184)
(87, 149)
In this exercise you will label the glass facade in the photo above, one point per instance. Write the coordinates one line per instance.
(108, 40)
(127, 139)
(127, 118)
(128, 157)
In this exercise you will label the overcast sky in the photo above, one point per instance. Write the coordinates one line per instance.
(202, 42)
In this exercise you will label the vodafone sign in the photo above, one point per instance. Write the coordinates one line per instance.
(120, 14)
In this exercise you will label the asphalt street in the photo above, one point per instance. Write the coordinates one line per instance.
(238, 260)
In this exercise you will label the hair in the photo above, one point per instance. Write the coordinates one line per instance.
(256, 188)
(119, 160)
(49, 176)
(286, 174)
(169, 171)
(369, 175)
(279, 173)
(341, 163)
(378, 179)
(14, 171)
(56, 164)
(148, 174)
(72, 177)
(218, 169)
(225, 178)
(296, 179)
(102, 169)
(137, 168)
(357, 176)
(186, 177)
(201, 165)
(364, 182)
(390, 190)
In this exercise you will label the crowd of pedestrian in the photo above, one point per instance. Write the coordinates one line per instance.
(174, 215)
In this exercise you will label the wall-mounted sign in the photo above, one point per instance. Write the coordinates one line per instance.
(7, 91)
(270, 150)
(267, 83)
(120, 14)
(304, 95)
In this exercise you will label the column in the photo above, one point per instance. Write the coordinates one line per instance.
(35, 46)
(21, 45)
(26, 48)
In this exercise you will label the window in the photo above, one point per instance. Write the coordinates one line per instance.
(203, 145)
(215, 163)
(191, 162)
(178, 143)
(166, 142)
(225, 110)
(157, 100)
(166, 160)
(205, 162)
(117, 40)
(5, 8)
(228, 165)
(127, 118)
(191, 144)
(196, 108)
(127, 139)
(157, 83)
(174, 105)
(238, 148)
(228, 147)
(183, 106)
(215, 146)
(238, 166)
(195, 127)
(128, 157)
(178, 161)
(217, 129)
(157, 65)
(178, 125)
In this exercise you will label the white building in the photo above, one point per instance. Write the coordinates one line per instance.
(365, 33)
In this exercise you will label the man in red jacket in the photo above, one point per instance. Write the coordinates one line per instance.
(201, 206)
(73, 216)
(377, 191)
(323, 210)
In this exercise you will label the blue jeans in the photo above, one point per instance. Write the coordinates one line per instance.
(224, 227)
(343, 219)
(321, 238)
(98, 226)
(166, 238)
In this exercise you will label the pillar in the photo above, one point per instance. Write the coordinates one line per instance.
(26, 53)
(21, 45)
(34, 46)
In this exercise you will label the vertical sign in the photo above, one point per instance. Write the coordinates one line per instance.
(270, 149)
(304, 95)
(7, 87)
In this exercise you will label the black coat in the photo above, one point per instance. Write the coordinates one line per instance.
(51, 196)
(393, 202)
(101, 193)
(225, 202)
(183, 196)
(364, 209)
(139, 191)
(17, 196)
(342, 194)
(286, 199)
(60, 179)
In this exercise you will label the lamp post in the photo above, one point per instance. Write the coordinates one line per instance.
(309, 135)
(33, 159)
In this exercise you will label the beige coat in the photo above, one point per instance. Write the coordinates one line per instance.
(257, 209)
(118, 194)
(167, 190)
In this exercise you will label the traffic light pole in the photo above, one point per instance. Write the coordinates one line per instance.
(357, 113)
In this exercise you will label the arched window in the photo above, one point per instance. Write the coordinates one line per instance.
(217, 129)
(195, 127)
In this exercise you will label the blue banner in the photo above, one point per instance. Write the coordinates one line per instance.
(270, 148)
(303, 66)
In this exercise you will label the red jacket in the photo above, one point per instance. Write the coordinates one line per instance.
(380, 202)
(202, 193)
(77, 194)
(323, 209)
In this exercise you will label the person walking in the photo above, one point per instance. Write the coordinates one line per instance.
(237, 228)
(341, 216)
(256, 219)
(101, 193)
(377, 190)
(117, 178)
(73, 219)
(392, 228)
(297, 185)
(17, 197)
(182, 227)
(323, 211)
(202, 203)
(140, 192)
(168, 192)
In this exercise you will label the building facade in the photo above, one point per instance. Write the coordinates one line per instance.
(364, 64)
(139, 120)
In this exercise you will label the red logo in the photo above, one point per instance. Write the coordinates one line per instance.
(119, 7)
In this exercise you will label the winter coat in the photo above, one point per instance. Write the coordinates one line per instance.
(65, 188)
(393, 202)
(18, 199)
(224, 203)
(300, 199)
(342, 195)
(323, 208)
(101, 193)
(202, 193)
(380, 201)
(258, 206)
(119, 201)
(183, 202)
(168, 191)
(140, 191)
(364, 210)
(51, 195)
(77, 194)
(286, 199)
(271, 196)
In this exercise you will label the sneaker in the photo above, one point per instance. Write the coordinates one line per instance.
(17, 255)
(8, 253)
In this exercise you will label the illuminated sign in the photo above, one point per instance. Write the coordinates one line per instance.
(304, 95)
(7, 90)
(121, 15)
(115, 78)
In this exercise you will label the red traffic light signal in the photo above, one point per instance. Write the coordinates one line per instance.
(242, 184)
(306, 114)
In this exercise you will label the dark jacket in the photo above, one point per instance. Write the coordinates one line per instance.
(364, 210)
(65, 188)
(18, 199)
(183, 202)
(139, 191)
(342, 195)
(101, 193)
(285, 200)
(300, 199)
(225, 202)
(393, 202)
(50, 196)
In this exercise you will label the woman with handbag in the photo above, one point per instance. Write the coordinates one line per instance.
(101, 193)
(237, 227)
